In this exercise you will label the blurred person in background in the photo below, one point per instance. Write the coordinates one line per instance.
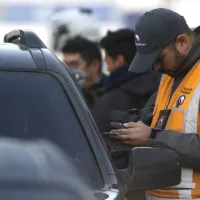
(73, 23)
(124, 90)
(84, 59)
(39, 170)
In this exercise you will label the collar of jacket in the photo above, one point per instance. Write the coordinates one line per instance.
(98, 87)
(192, 58)
(117, 77)
(98, 84)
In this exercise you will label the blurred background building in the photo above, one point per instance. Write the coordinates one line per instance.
(112, 14)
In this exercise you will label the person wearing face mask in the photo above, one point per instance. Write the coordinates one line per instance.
(166, 44)
(84, 59)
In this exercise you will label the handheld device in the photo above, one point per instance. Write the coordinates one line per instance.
(110, 133)
(116, 125)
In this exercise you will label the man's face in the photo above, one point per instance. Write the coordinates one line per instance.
(74, 61)
(113, 63)
(172, 57)
(169, 62)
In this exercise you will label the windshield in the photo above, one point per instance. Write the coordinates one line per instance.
(34, 105)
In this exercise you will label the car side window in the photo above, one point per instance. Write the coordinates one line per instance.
(34, 105)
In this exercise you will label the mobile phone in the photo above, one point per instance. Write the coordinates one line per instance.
(116, 125)
(110, 133)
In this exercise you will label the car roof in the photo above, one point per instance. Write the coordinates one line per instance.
(15, 56)
(23, 49)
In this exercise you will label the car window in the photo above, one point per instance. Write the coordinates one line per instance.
(34, 105)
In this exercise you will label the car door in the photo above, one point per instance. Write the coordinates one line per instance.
(36, 104)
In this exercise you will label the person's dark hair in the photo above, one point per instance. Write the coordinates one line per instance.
(190, 32)
(89, 50)
(120, 42)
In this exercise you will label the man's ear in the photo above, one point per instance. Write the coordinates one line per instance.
(120, 60)
(182, 43)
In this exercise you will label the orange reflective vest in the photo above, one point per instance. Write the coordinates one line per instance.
(184, 117)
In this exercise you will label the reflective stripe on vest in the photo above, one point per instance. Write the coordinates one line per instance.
(184, 117)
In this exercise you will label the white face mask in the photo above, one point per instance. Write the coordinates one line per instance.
(80, 76)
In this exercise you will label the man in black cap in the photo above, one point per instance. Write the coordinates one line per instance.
(166, 44)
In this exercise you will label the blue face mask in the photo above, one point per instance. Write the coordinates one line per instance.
(80, 76)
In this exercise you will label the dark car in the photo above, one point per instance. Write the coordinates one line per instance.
(39, 99)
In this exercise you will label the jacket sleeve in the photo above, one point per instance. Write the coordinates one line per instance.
(186, 145)
(146, 114)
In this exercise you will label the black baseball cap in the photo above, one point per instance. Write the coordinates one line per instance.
(154, 30)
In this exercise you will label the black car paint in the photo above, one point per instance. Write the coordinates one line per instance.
(20, 58)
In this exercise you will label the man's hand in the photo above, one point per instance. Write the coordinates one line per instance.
(134, 133)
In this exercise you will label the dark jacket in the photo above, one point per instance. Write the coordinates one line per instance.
(124, 90)
(187, 146)
(93, 93)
